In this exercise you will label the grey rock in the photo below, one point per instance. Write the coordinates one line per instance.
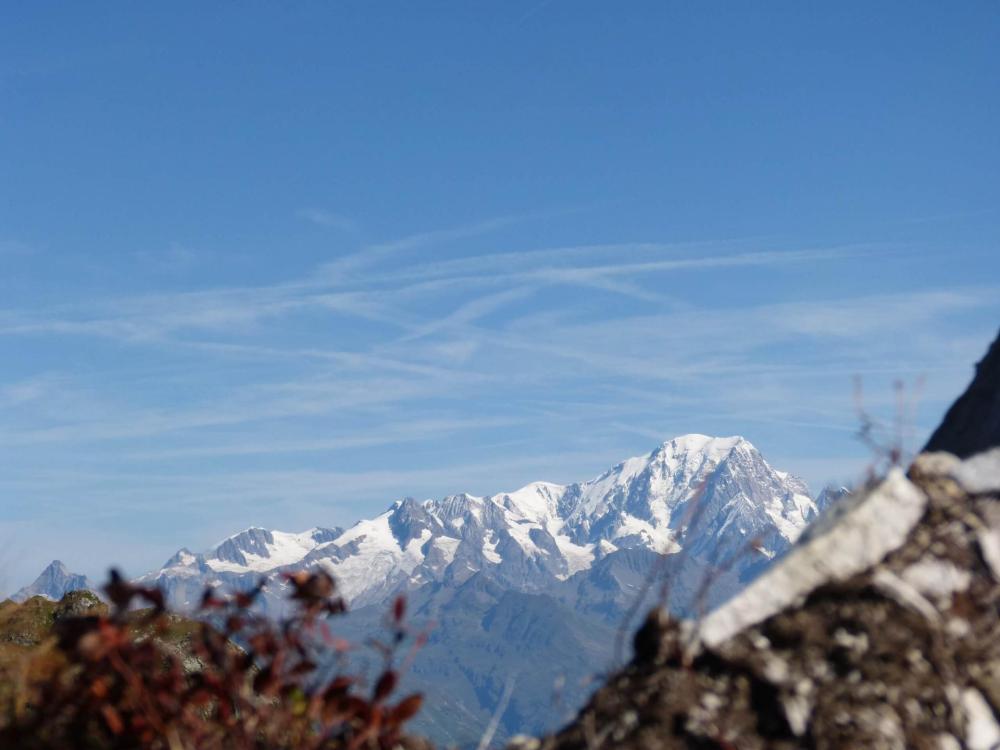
(53, 583)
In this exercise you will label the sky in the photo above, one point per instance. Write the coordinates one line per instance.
(280, 264)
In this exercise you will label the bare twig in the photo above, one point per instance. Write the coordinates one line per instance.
(888, 443)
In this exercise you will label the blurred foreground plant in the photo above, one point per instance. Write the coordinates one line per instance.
(237, 681)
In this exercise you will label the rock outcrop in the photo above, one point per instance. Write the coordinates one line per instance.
(879, 629)
(973, 423)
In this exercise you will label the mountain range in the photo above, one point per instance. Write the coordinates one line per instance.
(530, 587)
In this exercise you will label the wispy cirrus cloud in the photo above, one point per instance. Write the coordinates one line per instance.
(397, 369)
(409, 431)
(246, 405)
(28, 390)
(157, 316)
(347, 267)
(175, 258)
(330, 219)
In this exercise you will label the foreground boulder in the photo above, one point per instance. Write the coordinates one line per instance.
(880, 629)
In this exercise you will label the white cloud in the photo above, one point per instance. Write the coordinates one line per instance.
(330, 219)
(176, 258)
(544, 364)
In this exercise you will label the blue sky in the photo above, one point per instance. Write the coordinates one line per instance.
(282, 263)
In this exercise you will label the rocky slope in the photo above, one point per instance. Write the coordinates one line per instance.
(27, 624)
(879, 629)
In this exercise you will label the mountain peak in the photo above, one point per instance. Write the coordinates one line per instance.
(535, 536)
(54, 582)
(716, 447)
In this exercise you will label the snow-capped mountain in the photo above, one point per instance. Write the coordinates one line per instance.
(54, 583)
(830, 495)
(712, 497)
(235, 563)
(540, 576)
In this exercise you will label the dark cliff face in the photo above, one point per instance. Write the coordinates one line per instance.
(972, 424)
(324, 535)
(251, 541)
(408, 519)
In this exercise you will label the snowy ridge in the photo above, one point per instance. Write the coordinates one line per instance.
(262, 550)
(710, 496)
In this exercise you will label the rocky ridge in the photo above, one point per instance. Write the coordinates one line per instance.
(710, 496)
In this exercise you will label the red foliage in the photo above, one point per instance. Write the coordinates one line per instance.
(124, 683)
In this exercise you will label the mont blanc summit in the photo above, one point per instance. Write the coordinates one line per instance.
(711, 497)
